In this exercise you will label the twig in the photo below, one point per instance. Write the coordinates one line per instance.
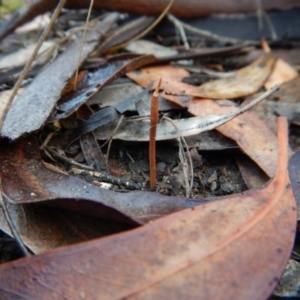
(262, 14)
(211, 35)
(31, 59)
(152, 140)
(67, 160)
(111, 137)
(259, 14)
(258, 99)
(181, 31)
(82, 42)
(162, 15)
(46, 141)
(204, 70)
(274, 36)
(130, 157)
(10, 223)
(108, 178)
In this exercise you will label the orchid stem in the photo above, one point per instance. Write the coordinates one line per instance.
(152, 143)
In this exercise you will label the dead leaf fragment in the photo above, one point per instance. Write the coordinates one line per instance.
(246, 81)
(252, 175)
(221, 250)
(248, 130)
(288, 100)
(146, 47)
(283, 72)
(171, 83)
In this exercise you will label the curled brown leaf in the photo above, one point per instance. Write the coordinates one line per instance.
(233, 249)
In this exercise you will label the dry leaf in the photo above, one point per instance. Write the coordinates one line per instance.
(25, 179)
(146, 47)
(93, 81)
(233, 249)
(283, 72)
(287, 100)
(42, 228)
(138, 130)
(20, 57)
(252, 175)
(244, 82)
(173, 87)
(259, 142)
(171, 84)
(251, 133)
(113, 95)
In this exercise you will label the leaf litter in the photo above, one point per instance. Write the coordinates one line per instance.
(189, 246)
(203, 107)
(244, 82)
(137, 130)
(42, 100)
(122, 169)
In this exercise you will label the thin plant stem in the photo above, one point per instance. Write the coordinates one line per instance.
(111, 138)
(152, 142)
(82, 42)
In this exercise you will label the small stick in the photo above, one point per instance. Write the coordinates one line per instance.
(210, 35)
(180, 28)
(143, 33)
(259, 13)
(152, 143)
(108, 178)
(110, 140)
(272, 30)
(82, 42)
(68, 160)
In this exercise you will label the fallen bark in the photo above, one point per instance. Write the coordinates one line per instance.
(181, 8)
